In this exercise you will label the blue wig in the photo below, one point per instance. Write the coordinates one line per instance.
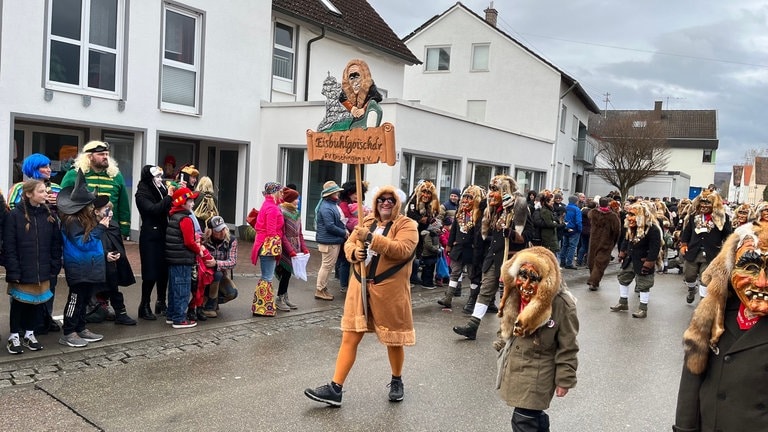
(32, 164)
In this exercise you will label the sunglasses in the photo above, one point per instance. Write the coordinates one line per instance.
(354, 75)
(493, 188)
(467, 196)
(382, 200)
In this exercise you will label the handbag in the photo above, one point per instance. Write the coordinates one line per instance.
(299, 264)
(442, 271)
(272, 246)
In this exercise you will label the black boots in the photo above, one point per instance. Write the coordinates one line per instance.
(530, 421)
(622, 305)
(691, 295)
(145, 312)
(160, 307)
(469, 331)
(469, 307)
(121, 317)
(447, 299)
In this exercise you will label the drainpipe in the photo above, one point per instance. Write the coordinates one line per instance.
(557, 134)
(309, 57)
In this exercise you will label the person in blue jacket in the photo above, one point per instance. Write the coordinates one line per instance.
(83, 254)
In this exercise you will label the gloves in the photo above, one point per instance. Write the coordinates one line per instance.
(293, 254)
(305, 251)
(361, 254)
(361, 233)
(507, 200)
(683, 249)
(647, 268)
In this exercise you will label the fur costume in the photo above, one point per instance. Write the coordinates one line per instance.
(718, 210)
(747, 210)
(645, 219)
(539, 309)
(366, 81)
(707, 323)
(478, 194)
(508, 217)
(415, 203)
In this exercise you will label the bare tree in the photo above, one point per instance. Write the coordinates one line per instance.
(629, 148)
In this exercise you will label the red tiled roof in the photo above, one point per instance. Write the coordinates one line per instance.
(358, 21)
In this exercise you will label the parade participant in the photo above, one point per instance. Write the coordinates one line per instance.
(723, 379)
(223, 248)
(638, 253)
(605, 231)
(506, 227)
(103, 178)
(424, 208)
(293, 244)
(154, 202)
(32, 258)
(430, 240)
(181, 250)
(538, 343)
(352, 209)
(83, 257)
(761, 211)
(37, 166)
(118, 270)
(331, 234)
(267, 248)
(743, 215)
(187, 176)
(461, 244)
(385, 243)
(704, 231)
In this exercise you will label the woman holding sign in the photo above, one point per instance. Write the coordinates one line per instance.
(384, 244)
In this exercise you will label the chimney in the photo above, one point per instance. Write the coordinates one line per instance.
(657, 110)
(491, 15)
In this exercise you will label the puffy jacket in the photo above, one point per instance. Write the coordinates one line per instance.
(84, 261)
(176, 253)
(330, 228)
(31, 255)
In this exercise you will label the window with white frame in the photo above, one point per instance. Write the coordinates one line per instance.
(85, 46)
(283, 54)
(182, 62)
(480, 57)
(575, 128)
(438, 59)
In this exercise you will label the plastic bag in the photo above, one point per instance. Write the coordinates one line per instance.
(442, 271)
(299, 264)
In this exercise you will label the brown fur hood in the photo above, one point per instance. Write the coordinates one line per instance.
(718, 210)
(539, 309)
(707, 324)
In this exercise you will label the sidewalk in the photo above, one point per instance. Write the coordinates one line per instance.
(122, 343)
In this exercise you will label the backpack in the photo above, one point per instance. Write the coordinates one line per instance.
(207, 208)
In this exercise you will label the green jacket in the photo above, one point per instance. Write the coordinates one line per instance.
(102, 184)
(549, 230)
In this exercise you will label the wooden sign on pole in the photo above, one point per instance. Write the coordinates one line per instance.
(354, 146)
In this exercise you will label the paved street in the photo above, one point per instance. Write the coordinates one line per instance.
(247, 374)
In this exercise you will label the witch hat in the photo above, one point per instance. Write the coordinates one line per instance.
(72, 199)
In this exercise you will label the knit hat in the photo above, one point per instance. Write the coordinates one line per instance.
(181, 196)
(290, 195)
(271, 188)
(96, 147)
(329, 188)
(455, 191)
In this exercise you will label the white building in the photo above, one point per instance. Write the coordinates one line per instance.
(486, 75)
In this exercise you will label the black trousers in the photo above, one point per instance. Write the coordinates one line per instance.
(74, 310)
(526, 420)
(24, 316)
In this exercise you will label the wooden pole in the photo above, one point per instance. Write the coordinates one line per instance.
(359, 191)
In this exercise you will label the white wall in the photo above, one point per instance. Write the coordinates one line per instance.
(521, 91)
(655, 187)
(689, 161)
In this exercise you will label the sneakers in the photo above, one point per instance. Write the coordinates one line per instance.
(325, 394)
(73, 340)
(31, 343)
(323, 294)
(90, 336)
(14, 345)
(184, 324)
(396, 392)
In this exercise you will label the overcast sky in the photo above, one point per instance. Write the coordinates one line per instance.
(690, 54)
